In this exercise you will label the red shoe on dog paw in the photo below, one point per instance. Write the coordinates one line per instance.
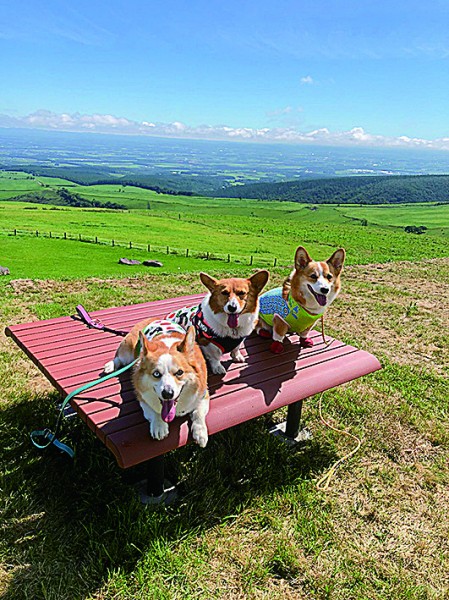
(305, 342)
(263, 333)
(277, 347)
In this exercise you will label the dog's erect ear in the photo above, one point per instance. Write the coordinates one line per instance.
(302, 258)
(188, 342)
(143, 344)
(337, 259)
(259, 280)
(208, 281)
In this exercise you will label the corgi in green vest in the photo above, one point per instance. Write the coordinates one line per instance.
(303, 298)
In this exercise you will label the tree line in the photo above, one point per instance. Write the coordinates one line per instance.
(394, 189)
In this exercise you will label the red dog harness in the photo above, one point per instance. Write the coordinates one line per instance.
(204, 332)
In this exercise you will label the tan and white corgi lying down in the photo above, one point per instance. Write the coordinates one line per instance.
(170, 376)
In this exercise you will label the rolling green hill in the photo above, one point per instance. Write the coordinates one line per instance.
(91, 175)
(396, 189)
(349, 190)
(245, 232)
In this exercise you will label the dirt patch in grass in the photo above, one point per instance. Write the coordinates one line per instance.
(400, 310)
(389, 513)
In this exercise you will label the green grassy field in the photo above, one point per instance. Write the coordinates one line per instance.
(15, 183)
(39, 258)
(435, 217)
(241, 236)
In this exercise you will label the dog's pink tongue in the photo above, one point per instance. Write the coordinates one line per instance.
(321, 299)
(168, 411)
(233, 320)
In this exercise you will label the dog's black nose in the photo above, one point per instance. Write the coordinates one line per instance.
(167, 393)
(232, 308)
(324, 290)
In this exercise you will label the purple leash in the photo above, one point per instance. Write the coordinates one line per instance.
(95, 323)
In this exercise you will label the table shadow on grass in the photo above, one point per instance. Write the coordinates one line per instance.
(68, 524)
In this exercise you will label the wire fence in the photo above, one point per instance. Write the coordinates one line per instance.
(252, 260)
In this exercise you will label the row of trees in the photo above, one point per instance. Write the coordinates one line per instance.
(350, 190)
(72, 199)
(64, 197)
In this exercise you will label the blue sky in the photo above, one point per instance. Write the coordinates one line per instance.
(370, 73)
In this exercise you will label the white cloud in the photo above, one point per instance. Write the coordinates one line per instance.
(357, 136)
(307, 80)
(278, 112)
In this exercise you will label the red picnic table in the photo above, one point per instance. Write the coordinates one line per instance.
(70, 354)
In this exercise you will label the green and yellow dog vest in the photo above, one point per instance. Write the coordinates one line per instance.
(294, 314)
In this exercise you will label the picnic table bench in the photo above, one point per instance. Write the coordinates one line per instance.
(70, 354)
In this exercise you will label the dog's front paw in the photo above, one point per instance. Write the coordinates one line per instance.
(305, 342)
(264, 333)
(199, 434)
(109, 367)
(238, 357)
(277, 347)
(158, 430)
(218, 368)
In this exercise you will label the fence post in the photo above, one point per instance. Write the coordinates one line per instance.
(207, 256)
(275, 262)
(149, 248)
(96, 240)
(15, 231)
(130, 244)
(187, 253)
(112, 243)
(80, 236)
(168, 250)
(37, 233)
(50, 233)
(251, 261)
(229, 258)
(65, 235)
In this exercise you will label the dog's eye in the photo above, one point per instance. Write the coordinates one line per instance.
(179, 373)
(225, 293)
(241, 294)
(329, 277)
(314, 276)
(157, 374)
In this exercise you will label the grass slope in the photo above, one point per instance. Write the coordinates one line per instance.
(14, 183)
(250, 522)
(262, 237)
(435, 217)
(42, 258)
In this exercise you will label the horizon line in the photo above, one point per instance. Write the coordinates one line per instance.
(106, 124)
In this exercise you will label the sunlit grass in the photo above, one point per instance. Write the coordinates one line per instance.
(250, 522)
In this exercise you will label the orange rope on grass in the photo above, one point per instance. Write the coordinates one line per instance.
(323, 483)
